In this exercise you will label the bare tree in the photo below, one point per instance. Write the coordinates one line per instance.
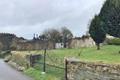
(66, 35)
(52, 35)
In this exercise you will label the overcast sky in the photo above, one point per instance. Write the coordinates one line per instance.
(26, 17)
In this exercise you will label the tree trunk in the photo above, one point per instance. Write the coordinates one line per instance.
(98, 46)
(54, 45)
(64, 44)
(119, 52)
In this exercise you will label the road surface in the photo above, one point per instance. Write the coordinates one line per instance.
(8, 73)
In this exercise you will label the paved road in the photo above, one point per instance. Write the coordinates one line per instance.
(8, 73)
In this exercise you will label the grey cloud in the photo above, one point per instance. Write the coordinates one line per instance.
(25, 17)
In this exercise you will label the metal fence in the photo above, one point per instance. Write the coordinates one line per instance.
(49, 63)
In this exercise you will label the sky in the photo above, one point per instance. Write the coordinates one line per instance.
(26, 17)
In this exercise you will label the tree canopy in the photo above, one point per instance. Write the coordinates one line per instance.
(107, 22)
(97, 32)
(66, 35)
(110, 16)
(57, 35)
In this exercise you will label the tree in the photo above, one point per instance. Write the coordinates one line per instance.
(52, 35)
(97, 32)
(6, 40)
(110, 16)
(42, 37)
(1, 45)
(66, 35)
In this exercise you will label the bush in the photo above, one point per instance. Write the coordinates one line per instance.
(115, 41)
(20, 59)
(8, 58)
(5, 53)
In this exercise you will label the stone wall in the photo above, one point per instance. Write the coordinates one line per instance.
(81, 42)
(80, 70)
(35, 45)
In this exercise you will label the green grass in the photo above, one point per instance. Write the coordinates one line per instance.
(107, 54)
(37, 75)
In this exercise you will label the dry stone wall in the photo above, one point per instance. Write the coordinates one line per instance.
(80, 70)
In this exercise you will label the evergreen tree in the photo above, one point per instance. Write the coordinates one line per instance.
(110, 16)
(96, 31)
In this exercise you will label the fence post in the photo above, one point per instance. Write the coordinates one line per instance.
(44, 67)
(66, 70)
(31, 61)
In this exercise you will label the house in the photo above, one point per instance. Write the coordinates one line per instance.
(59, 45)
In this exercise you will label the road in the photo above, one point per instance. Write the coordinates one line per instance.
(8, 73)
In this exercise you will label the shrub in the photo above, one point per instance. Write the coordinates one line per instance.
(8, 58)
(114, 41)
(5, 53)
(20, 59)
